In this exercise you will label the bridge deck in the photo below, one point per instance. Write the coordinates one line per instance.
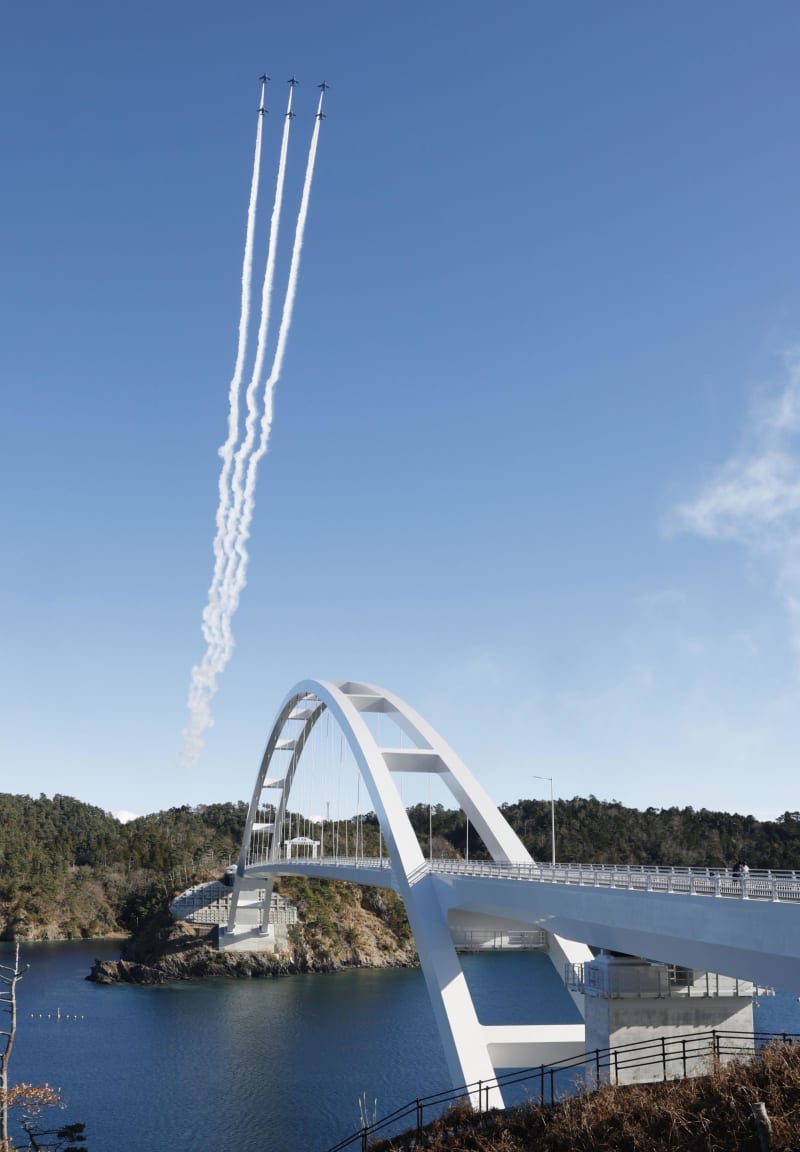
(742, 926)
(756, 885)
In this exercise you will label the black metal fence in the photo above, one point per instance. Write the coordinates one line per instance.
(668, 1058)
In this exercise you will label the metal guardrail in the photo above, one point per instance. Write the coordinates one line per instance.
(487, 939)
(211, 904)
(758, 884)
(671, 1057)
(652, 981)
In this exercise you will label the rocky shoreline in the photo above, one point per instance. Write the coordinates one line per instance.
(199, 963)
(207, 962)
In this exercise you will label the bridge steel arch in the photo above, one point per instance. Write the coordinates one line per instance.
(473, 1051)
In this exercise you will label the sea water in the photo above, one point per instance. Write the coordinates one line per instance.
(267, 1065)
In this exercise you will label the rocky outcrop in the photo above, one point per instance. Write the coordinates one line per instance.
(194, 964)
(123, 972)
(197, 963)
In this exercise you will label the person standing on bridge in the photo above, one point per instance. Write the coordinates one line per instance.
(741, 871)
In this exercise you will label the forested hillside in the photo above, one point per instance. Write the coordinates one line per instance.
(591, 831)
(597, 831)
(68, 869)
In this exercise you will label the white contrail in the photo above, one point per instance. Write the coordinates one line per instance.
(218, 634)
(236, 573)
(210, 617)
(236, 513)
(252, 397)
(203, 682)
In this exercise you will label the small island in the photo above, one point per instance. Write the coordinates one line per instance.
(332, 926)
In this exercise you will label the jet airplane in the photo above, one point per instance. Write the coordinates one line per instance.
(321, 115)
(291, 115)
(264, 78)
(292, 81)
(324, 85)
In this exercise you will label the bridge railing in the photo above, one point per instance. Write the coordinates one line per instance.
(758, 884)
(500, 939)
(761, 884)
(665, 1058)
(657, 981)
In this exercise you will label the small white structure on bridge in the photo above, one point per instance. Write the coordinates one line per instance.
(294, 845)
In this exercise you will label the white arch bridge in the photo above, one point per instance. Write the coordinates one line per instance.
(745, 929)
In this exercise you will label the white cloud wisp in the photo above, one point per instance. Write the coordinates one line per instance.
(755, 497)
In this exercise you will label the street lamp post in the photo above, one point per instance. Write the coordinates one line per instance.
(552, 814)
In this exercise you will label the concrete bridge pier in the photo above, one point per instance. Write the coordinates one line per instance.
(630, 1000)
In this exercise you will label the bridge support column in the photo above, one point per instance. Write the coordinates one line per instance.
(629, 1000)
(248, 927)
(463, 1039)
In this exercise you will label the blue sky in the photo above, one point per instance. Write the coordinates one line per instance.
(534, 464)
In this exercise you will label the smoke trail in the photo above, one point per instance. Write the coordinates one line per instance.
(217, 629)
(252, 396)
(226, 451)
(236, 573)
(203, 682)
(238, 509)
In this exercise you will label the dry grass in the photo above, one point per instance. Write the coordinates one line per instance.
(707, 1114)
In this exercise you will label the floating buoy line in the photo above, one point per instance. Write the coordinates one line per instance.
(57, 1015)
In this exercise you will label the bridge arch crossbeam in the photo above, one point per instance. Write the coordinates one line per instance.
(308, 711)
(303, 706)
(466, 1043)
(278, 743)
(431, 754)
